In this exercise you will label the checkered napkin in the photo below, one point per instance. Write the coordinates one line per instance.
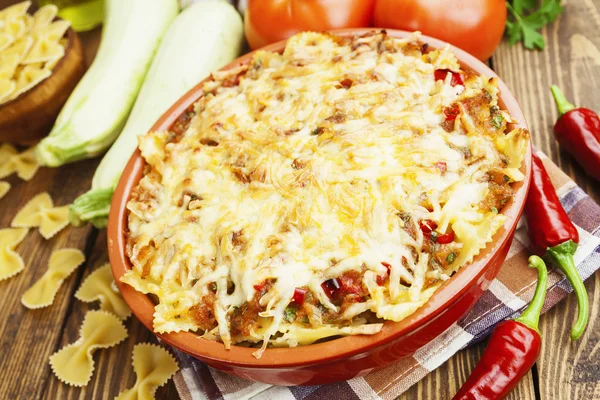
(507, 295)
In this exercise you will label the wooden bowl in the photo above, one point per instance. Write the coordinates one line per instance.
(29, 117)
(347, 357)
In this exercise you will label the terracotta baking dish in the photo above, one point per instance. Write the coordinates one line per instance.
(347, 357)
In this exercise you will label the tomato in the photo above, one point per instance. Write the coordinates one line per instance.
(268, 21)
(475, 26)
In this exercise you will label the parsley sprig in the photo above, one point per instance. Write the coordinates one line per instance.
(528, 17)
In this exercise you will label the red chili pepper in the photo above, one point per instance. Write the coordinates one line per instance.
(299, 296)
(511, 351)
(578, 131)
(553, 235)
(331, 286)
(451, 112)
(440, 75)
(259, 287)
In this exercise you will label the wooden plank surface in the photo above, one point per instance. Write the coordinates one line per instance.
(565, 370)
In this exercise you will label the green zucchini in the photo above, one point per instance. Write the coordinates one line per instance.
(96, 111)
(204, 37)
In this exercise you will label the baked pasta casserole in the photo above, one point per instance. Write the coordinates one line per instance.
(319, 192)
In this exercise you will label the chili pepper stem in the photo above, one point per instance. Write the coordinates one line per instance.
(562, 256)
(531, 316)
(561, 101)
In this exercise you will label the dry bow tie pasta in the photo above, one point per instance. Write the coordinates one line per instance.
(30, 47)
(62, 263)
(154, 366)
(11, 262)
(40, 212)
(74, 364)
(4, 188)
(24, 164)
(100, 286)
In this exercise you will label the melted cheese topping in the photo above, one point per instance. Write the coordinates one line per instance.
(304, 166)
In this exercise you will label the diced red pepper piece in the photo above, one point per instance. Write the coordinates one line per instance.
(451, 112)
(427, 226)
(299, 295)
(440, 74)
(445, 238)
(331, 286)
(381, 279)
(442, 166)
(260, 286)
(351, 283)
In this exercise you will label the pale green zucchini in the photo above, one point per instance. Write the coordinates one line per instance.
(204, 37)
(96, 111)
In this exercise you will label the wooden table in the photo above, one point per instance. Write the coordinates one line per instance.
(565, 370)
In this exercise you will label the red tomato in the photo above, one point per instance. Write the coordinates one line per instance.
(473, 25)
(268, 21)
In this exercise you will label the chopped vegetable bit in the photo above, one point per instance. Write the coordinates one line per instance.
(451, 112)
(450, 258)
(497, 120)
(427, 225)
(440, 74)
(330, 287)
(299, 295)
(289, 314)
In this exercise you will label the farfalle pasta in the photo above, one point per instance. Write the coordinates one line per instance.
(62, 263)
(40, 213)
(11, 262)
(99, 286)
(154, 366)
(24, 164)
(4, 188)
(74, 364)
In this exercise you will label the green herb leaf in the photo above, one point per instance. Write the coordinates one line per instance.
(494, 210)
(450, 258)
(289, 314)
(497, 120)
(527, 19)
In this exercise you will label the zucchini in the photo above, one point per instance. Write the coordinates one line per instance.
(204, 37)
(97, 109)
